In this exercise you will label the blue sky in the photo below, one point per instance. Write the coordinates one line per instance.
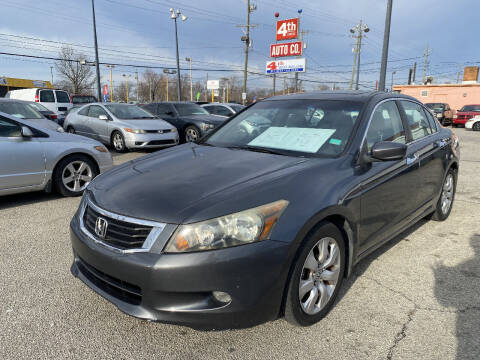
(141, 32)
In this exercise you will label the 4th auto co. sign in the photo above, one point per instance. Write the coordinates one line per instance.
(286, 49)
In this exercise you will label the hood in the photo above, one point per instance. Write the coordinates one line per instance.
(145, 124)
(162, 186)
(42, 124)
(206, 118)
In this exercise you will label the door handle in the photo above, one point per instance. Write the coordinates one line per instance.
(412, 158)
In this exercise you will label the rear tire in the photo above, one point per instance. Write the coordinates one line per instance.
(476, 126)
(192, 133)
(70, 129)
(73, 174)
(445, 202)
(317, 276)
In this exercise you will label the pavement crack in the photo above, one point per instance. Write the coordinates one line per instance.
(391, 290)
(402, 334)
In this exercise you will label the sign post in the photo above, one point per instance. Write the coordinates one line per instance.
(213, 85)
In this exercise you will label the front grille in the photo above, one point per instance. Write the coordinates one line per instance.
(159, 131)
(120, 234)
(120, 289)
(162, 142)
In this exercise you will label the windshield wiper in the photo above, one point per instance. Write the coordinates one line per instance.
(258, 149)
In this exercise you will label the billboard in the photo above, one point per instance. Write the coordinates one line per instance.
(287, 29)
(286, 49)
(284, 66)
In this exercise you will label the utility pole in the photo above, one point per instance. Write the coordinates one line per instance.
(136, 78)
(97, 65)
(354, 63)
(111, 81)
(386, 41)
(458, 73)
(51, 73)
(302, 33)
(126, 90)
(206, 90)
(359, 29)
(428, 51)
(246, 39)
(414, 72)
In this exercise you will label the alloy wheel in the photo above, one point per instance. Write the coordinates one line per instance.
(118, 143)
(77, 175)
(319, 276)
(191, 135)
(447, 194)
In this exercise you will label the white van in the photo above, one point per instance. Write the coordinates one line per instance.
(57, 101)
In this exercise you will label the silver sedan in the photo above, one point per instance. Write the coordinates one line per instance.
(35, 155)
(122, 126)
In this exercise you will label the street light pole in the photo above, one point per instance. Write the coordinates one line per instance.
(111, 81)
(391, 86)
(174, 15)
(386, 40)
(191, 79)
(97, 65)
(167, 72)
(126, 78)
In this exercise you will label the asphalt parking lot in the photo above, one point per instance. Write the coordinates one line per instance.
(415, 298)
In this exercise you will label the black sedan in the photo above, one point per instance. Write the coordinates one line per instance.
(191, 120)
(247, 226)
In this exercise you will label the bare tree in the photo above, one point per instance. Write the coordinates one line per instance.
(74, 77)
(121, 92)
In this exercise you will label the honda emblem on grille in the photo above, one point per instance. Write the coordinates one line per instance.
(101, 226)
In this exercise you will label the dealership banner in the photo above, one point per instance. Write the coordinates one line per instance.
(286, 49)
(283, 66)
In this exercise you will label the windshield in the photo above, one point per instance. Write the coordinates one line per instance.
(38, 107)
(20, 110)
(190, 109)
(295, 127)
(237, 108)
(474, 108)
(124, 111)
(435, 106)
(83, 99)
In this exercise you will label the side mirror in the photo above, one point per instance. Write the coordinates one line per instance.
(169, 113)
(389, 150)
(103, 117)
(26, 132)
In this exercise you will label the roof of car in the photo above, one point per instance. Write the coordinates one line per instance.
(349, 95)
(14, 100)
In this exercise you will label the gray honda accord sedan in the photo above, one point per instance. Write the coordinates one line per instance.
(244, 227)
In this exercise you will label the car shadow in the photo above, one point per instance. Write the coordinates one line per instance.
(16, 200)
(363, 265)
(458, 288)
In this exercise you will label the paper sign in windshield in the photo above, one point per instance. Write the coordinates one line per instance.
(295, 139)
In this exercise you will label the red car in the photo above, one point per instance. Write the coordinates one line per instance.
(465, 113)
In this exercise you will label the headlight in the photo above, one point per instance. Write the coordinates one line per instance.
(439, 115)
(207, 126)
(173, 130)
(135, 131)
(231, 230)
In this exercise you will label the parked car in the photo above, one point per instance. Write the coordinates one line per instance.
(35, 156)
(83, 99)
(57, 101)
(223, 109)
(122, 126)
(49, 114)
(191, 120)
(473, 123)
(442, 111)
(28, 110)
(239, 229)
(465, 113)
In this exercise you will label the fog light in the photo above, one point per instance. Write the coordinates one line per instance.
(222, 297)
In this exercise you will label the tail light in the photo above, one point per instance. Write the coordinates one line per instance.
(54, 116)
(36, 98)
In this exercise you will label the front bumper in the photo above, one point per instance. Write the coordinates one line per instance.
(177, 288)
(150, 141)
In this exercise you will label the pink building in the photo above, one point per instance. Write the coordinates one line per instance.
(456, 95)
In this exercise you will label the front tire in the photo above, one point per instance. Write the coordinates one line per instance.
(445, 202)
(73, 174)
(70, 129)
(317, 276)
(192, 134)
(118, 142)
(476, 126)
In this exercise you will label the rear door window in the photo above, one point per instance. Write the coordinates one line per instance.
(62, 96)
(47, 96)
(163, 109)
(222, 110)
(416, 119)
